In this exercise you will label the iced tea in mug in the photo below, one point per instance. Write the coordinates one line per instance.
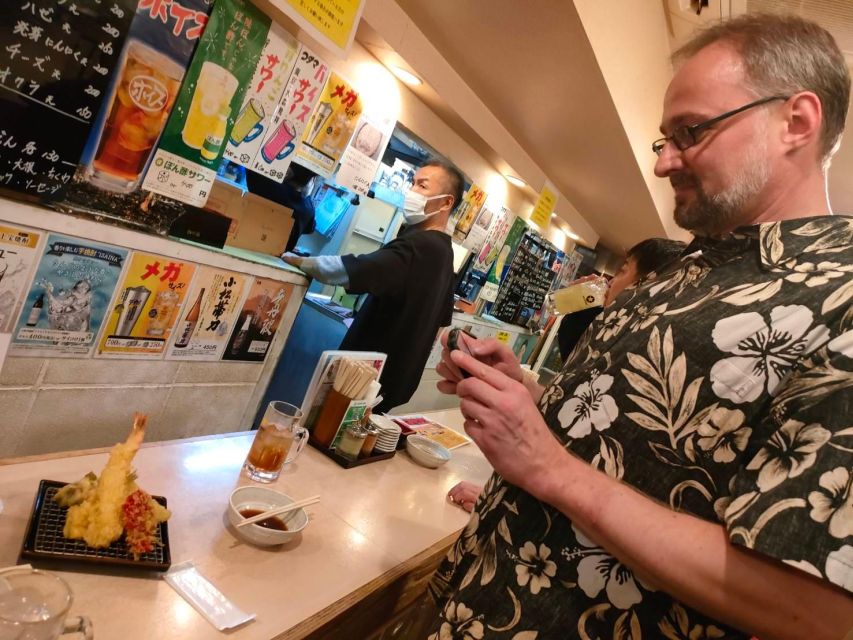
(140, 106)
(277, 442)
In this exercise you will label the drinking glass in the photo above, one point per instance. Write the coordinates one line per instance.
(34, 605)
(277, 442)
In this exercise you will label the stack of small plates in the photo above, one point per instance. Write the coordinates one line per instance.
(389, 434)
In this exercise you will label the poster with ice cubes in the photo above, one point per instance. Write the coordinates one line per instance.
(68, 298)
(262, 97)
(19, 252)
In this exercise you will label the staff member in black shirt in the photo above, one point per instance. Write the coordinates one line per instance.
(409, 282)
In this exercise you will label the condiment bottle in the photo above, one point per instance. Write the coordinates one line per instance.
(351, 442)
(369, 441)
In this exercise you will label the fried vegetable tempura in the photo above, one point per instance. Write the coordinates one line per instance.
(97, 519)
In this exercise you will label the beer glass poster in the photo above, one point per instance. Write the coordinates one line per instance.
(185, 163)
(258, 321)
(209, 315)
(146, 307)
(18, 254)
(69, 297)
(262, 97)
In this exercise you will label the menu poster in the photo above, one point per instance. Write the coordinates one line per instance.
(148, 76)
(258, 322)
(479, 231)
(68, 298)
(494, 240)
(333, 22)
(18, 254)
(361, 158)
(330, 127)
(146, 307)
(467, 212)
(262, 97)
(209, 316)
(57, 61)
(208, 104)
(528, 280)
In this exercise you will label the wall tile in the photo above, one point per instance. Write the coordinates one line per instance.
(20, 371)
(232, 372)
(13, 417)
(103, 371)
(195, 411)
(67, 419)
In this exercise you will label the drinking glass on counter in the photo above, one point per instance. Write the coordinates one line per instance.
(34, 605)
(277, 442)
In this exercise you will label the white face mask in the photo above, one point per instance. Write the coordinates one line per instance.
(414, 204)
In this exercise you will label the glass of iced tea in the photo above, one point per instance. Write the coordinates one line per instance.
(277, 442)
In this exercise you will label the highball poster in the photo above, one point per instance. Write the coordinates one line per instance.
(69, 297)
(18, 254)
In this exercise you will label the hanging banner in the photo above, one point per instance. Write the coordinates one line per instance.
(362, 156)
(69, 297)
(541, 214)
(479, 231)
(146, 307)
(494, 241)
(18, 254)
(57, 61)
(262, 97)
(332, 22)
(472, 202)
(143, 91)
(208, 104)
(291, 116)
(258, 321)
(209, 315)
(330, 127)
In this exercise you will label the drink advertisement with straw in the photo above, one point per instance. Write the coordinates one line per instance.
(263, 96)
(291, 116)
(209, 315)
(146, 307)
(209, 102)
(19, 251)
(331, 126)
(138, 103)
(68, 298)
(258, 321)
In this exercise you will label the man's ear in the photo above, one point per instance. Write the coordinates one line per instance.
(804, 116)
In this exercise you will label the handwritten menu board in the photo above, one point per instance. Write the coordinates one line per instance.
(527, 283)
(56, 59)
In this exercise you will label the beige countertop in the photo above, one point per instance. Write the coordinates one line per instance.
(371, 521)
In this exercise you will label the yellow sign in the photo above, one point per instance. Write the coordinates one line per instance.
(332, 20)
(503, 336)
(541, 214)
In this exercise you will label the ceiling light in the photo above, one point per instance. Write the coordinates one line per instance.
(514, 180)
(406, 76)
(572, 235)
(553, 215)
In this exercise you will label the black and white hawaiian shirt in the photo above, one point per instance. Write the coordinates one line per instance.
(722, 387)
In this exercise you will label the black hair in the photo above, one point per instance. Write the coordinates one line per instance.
(655, 253)
(455, 179)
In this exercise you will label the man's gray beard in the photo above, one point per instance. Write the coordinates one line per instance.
(712, 215)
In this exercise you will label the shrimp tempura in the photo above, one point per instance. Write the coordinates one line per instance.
(98, 519)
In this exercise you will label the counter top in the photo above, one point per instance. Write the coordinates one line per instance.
(372, 523)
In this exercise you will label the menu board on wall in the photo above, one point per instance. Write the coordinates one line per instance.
(57, 61)
(208, 104)
(148, 76)
(361, 157)
(527, 282)
(291, 115)
(19, 248)
(262, 97)
(258, 321)
(146, 307)
(331, 126)
(68, 298)
(209, 315)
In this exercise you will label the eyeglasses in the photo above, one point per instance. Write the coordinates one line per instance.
(685, 137)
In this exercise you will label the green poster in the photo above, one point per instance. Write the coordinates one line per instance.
(208, 103)
(513, 238)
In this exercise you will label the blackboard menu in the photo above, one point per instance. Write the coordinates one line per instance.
(56, 58)
(527, 282)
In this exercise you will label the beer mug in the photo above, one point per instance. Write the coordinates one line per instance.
(34, 606)
(579, 295)
(280, 143)
(248, 125)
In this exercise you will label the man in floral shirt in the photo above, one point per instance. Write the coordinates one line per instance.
(689, 473)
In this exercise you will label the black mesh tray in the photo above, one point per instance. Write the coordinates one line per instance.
(44, 539)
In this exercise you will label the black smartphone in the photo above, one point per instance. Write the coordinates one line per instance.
(453, 342)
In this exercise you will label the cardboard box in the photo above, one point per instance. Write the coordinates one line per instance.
(257, 224)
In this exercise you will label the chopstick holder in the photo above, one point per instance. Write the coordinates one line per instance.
(206, 598)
